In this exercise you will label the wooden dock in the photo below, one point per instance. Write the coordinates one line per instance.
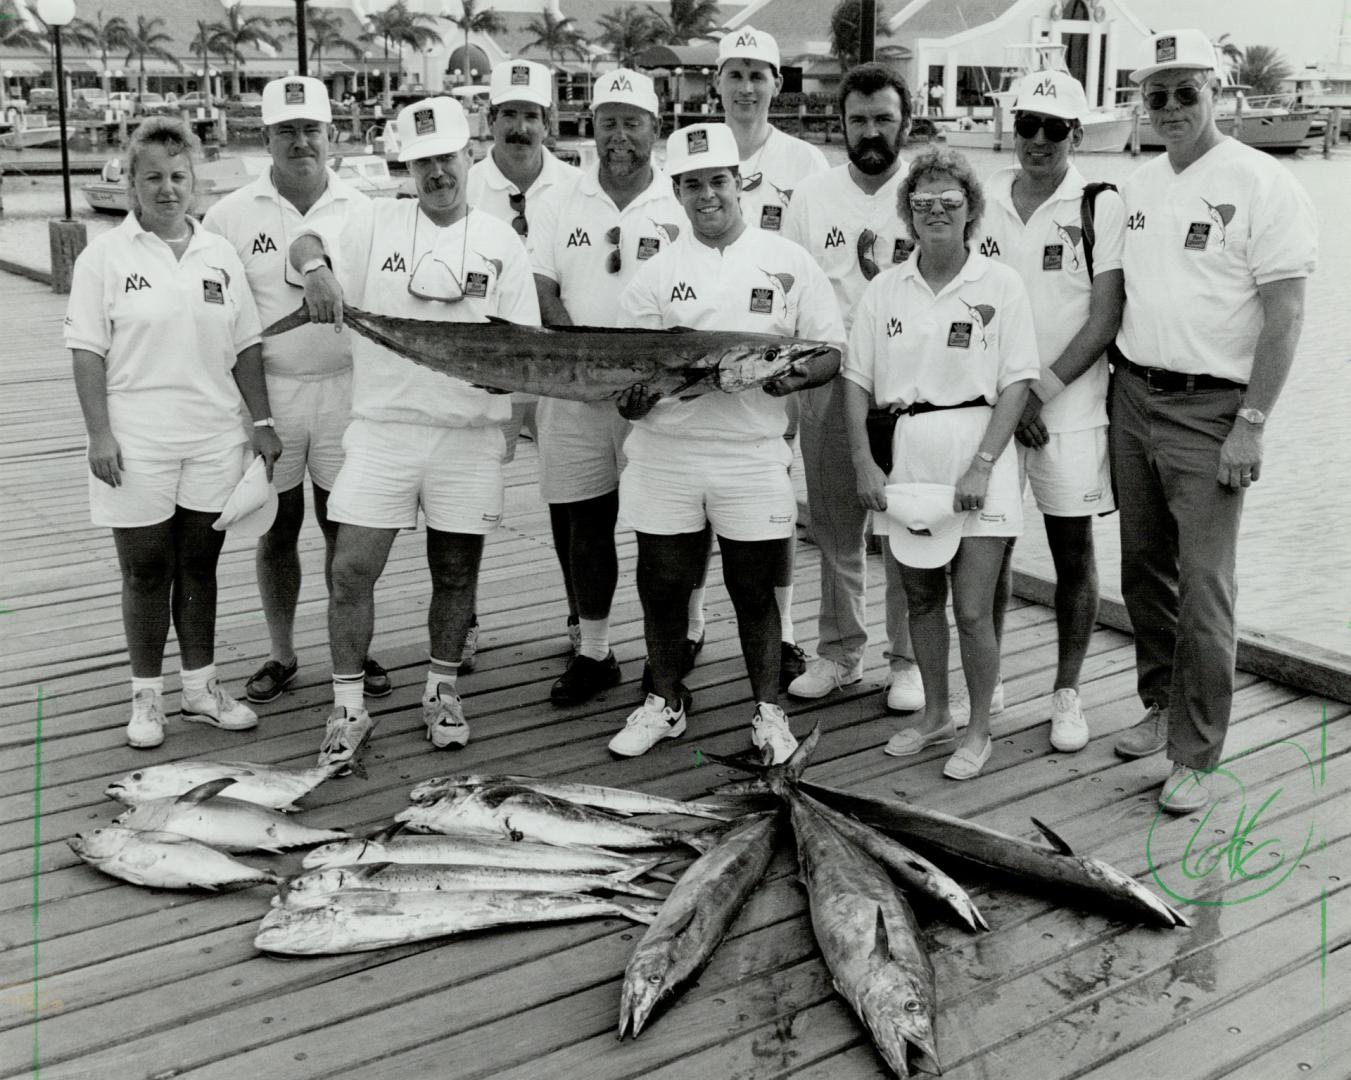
(104, 980)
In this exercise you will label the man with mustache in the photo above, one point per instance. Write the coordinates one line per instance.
(309, 371)
(847, 219)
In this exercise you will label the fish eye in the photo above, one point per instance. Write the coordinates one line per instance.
(771, 355)
(135, 776)
(654, 979)
(911, 1005)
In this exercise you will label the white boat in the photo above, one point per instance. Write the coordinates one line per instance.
(1268, 122)
(30, 129)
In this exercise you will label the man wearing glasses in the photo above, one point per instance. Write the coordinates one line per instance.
(1220, 241)
(846, 218)
(309, 371)
(588, 239)
(417, 439)
(1033, 223)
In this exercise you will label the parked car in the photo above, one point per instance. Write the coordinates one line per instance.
(90, 97)
(191, 101)
(42, 97)
(248, 103)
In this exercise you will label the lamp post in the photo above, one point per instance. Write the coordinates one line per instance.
(67, 237)
(301, 59)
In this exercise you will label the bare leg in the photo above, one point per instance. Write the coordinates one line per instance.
(1076, 594)
(975, 578)
(146, 556)
(926, 593)
(196, 549)
(453, 559)
(357, 564)
(668, 569)
(750, 569)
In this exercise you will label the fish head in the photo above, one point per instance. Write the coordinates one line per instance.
(899, 1011)
(306, 890)
(644, 982)
(100, 845)
(747, 365)
(298, 930)
(143, 785)
(338, 853)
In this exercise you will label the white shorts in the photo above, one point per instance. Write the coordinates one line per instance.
(151, 489)
(311, 416)
(937, 448)
(390, 469)
(1070, 476)
(581, 449)
(672, 486)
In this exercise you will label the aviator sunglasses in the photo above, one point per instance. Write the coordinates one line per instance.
(1186, 95)
(613, 263)
(1027, 126)
(519, 223)
(923, 202)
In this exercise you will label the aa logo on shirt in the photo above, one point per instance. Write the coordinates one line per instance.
(762, 301)
(834, 238)
(894, 327)
(135, 283)
(579, 238)
(1198, 236)
(476, 284)
(262, 244)
(771, 217)
(213, 292)
(648, 246)
(1136, 221)
(1221, 214)
(395, 264)
(682, 292)
(989, 247)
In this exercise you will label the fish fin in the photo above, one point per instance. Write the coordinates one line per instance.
(209, 790)
(796, 764)
(746, 764)
(881, 943)
(388, 832)
(495, 795)
(643, 913)
(701, 841)
(299, 317)
(660, 875)
(1054, 839)
(489, 389)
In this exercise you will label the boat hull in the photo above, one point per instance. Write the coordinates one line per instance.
(1280, 131)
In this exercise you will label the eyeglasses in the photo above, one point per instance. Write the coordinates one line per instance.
(614, 262)
(519, 223)
(752, 182)
(864, 250)
(923, 202)
(1185, 95)
(1027, 126)
(432, 278)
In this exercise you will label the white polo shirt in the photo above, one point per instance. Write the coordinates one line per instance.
(774, 173)
(828, 215)
(170, 331)
(260, 225)
(572, 249)
(491, 192)
(971, 340)
(1198, 243)
(379, 248)
(760, 282)
(1048, 254)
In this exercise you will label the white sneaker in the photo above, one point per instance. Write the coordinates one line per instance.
(959, 702)
(217, 708)
(646, 726)
(1069, 729)
(146, 726)
(444, 717)
(905, 689)
(344, 735)
(771, 735)
(822, 676)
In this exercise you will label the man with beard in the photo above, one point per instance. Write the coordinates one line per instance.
(847, 219)
(589, 239)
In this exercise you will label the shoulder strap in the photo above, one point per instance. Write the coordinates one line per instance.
(1091, 193)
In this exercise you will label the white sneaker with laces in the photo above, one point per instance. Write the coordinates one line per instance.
(959, 701)
(217, 708)
(1069, 729)
(345, 733)
(822, 676)
(444, 717)
(771, 735)
(646, 726)
(905, 689)
(146, 726)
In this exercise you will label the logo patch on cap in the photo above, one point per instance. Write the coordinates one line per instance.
(424, 122)
(520, 75)
(697, 142)
(295, 93)
(621, 84)
(747, 40)
(1045, 88)
(1165, 49)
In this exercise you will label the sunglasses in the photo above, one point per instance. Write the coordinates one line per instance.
(517, 203)
(433, 279)
(1185, 95)
(614, 262)
(923, 202)
(864, 250)
(1057, 130)
(753, 181)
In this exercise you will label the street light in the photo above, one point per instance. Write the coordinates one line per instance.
(56, 14)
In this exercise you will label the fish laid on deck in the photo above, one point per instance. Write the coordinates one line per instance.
(160, 860)
(265, 785)
(616, 800)
(581, 363)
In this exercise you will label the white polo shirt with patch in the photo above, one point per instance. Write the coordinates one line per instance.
(170, 331)
(1048, 254)
(1198, 244)
(260, 225)
(491, 192)
(760, 282)
(771, 176)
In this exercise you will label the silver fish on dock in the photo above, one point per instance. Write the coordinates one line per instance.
(358, 921)
(230, 824)
(694, 918)
(265, 785)
(616, 800)
(581, 363)
(160, 860)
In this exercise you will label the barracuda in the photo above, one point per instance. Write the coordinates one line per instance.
(616, 800)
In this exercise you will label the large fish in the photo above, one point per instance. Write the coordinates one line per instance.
(616, 800)
(694, 918)
(360, 920)
(582, 363)
(161, 860)
(265, 785)
(521, 814)
(206, 815)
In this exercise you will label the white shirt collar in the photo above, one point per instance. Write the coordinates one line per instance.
(1000, 186)
(262, 187)
(497, 180)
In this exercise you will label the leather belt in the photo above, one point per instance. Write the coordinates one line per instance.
(1162, 380)
(928, 406)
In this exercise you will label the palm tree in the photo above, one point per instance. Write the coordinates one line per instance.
(148, 39)
(1263, 68)
(686, 21)
(628, 32)
(844, 34)
(486, 21)
(1229, 51)
(398, 25)
(111, 36)
(14, 32)
(79, 37)
(557, 37)
(228, 38)
(323, 31)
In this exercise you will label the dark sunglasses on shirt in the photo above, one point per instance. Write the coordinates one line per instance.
(517, 204)
(613, 263)
(1027, 125)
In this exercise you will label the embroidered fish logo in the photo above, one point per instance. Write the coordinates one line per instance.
(668, 232)
(1071, 234)
(785, 194)
(496, 264)
(224, 274)
(1221, 214)
(982, 315)
(783, 281)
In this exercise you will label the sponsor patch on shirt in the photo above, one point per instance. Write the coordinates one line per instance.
(1198, 236)
(213, 292)
(771, 217)
(1053, 257)
(476, 284)
(959, 335)
(762, 301)
(648, 246)
(901, 250)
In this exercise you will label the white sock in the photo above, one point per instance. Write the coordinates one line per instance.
(156, 684)
(348, 692)
(695, 614)
(435, 679)
(784, 595)
(196, 682)
(595, 638)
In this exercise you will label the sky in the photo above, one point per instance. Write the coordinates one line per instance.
(1306, 31)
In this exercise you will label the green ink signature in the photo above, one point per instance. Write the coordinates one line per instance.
(698, 757)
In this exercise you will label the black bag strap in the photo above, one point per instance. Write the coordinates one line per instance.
(1091, 193)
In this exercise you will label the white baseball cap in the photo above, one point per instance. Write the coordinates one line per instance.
(431, 127)
(252, 506)
(924, 529)
(748, 43)
(296, 97)
(625, 87)
(1176, 49)
(701, 146)
(1051, 93)
(521, 80)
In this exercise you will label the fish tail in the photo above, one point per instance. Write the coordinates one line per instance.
(643, 913)
(299, 317)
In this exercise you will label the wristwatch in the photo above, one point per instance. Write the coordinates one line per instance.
(985, 456)
(310, 265)
(1256, 417)
(266, 421)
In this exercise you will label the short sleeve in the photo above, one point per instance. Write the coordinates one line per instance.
(88, 325)
(544, 231)
(860, 358)
(795, 225)
(352, 254)
(818, 313)
(639, 304)
(1109, 231)
(1019, 357)
(517, 299)
(248, 328)
(1284, 239)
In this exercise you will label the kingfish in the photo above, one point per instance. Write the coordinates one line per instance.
(522, 814)
(694, 918)
(160, 860)
(206, 815)
(582, 363)
(616, 800)
(360, 920)
(265, 785)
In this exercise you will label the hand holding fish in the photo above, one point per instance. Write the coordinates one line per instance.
(323, 297)
(1241, 456)
(1031, 431)
(796, 378)
(637, 401)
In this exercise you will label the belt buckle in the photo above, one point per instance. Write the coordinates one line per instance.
(1149, 381)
